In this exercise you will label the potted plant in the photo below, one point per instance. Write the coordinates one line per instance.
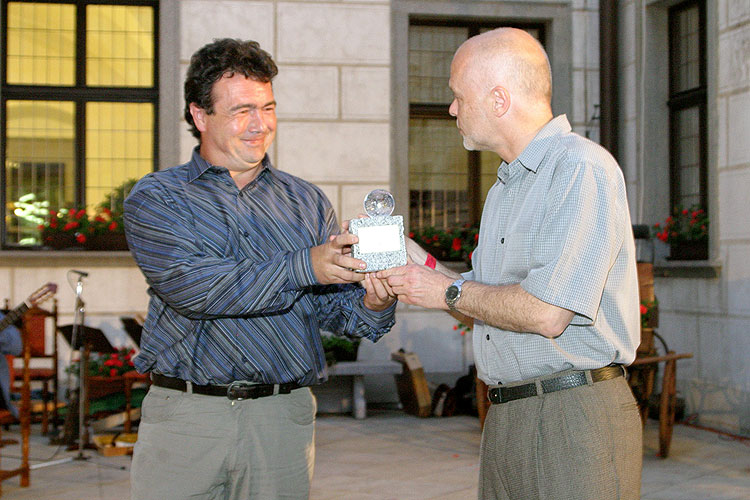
(456, 244)
(106, 231)
(686, 233)
(105, 371)
(65, 228)
(339, 349)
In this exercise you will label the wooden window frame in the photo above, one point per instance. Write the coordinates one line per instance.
(79, 93)
(686, 99)
(440, 111)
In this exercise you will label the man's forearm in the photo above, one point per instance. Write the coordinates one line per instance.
(510, 307)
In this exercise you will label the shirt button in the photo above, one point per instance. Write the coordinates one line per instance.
(488, 337)
(502, 240)
(245, 234)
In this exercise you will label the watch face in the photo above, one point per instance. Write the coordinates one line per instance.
(451, 293)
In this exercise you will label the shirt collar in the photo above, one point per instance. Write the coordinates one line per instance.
(533, 154)
(199, 166)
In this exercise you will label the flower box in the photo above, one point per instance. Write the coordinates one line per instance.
(688, 250)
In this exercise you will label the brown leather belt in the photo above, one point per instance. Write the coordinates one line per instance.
(235, 391)
(499, 395)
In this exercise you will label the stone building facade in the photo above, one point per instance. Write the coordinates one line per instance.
(343, 109)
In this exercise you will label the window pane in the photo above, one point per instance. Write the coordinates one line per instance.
(41, 44)
(438, 166)
(119, 46)
(119, 146)
(431, 50)
(686, 53)
(687, 152)
(39, 165)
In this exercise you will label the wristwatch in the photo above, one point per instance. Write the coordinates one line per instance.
(453, 293)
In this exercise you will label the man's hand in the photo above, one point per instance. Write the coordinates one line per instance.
(331, 262)
(379, 294)
(417, 285)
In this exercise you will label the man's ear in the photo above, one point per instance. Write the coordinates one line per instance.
(199, 116)
(500, 98)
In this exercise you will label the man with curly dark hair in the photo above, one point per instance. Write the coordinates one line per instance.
(246, 264)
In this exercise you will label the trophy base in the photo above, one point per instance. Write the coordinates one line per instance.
(381, 242)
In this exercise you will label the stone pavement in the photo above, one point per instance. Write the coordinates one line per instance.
(394, 456)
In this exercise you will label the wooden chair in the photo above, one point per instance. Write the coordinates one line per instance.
(35, 330)
(24, 416)
(642, 372)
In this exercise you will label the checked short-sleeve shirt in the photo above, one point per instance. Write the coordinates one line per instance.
(557, 222)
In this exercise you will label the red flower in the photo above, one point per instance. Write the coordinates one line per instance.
(99, 218)
(470, 254)
(113, 372)
(53, 223)
(52, 213)
(112, 226)
(71, 225)
(107, 211)
(644, 309)
(435, 238)
(455, 327)
(411, 234)
(81, 238)
(40, 227)
(456, 246)
(476, 237)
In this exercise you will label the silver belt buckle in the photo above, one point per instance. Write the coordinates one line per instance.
(236, 385)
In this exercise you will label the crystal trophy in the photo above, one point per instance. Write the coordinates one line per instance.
(381, 237)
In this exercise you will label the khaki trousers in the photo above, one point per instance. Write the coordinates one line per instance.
(192, 446)
(583, 443)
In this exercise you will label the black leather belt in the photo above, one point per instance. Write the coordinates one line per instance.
(234, 391)
(568, 381)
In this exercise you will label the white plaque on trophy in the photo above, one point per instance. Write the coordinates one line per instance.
(381, 236)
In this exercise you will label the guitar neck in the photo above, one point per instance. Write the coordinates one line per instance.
(13, 316)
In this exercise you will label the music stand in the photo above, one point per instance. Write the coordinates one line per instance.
(133, 328)
(88, 336)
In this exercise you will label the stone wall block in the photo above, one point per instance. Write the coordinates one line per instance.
(307, 92)
(331, 33)
(335, 152)
(734, 59)
(734, 186)
(737, 11)
(738, 147)
(738, 280)
(204, 20)
(365, 93)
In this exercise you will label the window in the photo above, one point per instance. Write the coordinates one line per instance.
(687, 105)
(79, 106)
(447, 184)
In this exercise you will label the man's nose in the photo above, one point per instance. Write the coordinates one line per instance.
(453, 108)
(255, 121)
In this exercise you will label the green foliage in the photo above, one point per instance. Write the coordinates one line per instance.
(448, 244)
(339, 349)
(683, 225)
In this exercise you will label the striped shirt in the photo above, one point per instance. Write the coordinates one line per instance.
(557, 222)
(233, 292)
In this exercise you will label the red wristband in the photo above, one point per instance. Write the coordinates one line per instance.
(430, 262)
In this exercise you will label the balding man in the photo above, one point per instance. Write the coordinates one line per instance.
(553, 290)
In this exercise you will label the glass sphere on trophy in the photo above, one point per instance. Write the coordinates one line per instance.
(381, 236)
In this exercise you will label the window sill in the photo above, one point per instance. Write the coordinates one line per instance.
(64, 258)
(705, 269)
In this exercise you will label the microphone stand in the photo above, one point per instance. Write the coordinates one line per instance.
(83, 361)
(82, 350)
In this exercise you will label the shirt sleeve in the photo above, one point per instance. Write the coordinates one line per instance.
(199, 285)
(10, 340)
(342, 311)
(579, 239)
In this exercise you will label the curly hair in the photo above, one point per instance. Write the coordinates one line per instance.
(226, 56)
